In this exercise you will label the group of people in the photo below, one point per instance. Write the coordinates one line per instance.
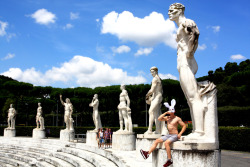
(104, 138)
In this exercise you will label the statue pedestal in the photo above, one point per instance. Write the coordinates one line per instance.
(144, 142)
(38, 134)
(9, 132)
(91, 138)
(123, 141)
(67, 135)
(189, 153)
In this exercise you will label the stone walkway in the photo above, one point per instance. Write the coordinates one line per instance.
(235, 159)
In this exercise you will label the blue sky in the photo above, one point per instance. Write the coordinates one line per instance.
(72, 43)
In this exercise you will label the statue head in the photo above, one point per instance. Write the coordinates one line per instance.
(154, 71)
(67, 100)
(39, 104)
(122, 86)
(95, 96)
(11, 105)
(175, 10)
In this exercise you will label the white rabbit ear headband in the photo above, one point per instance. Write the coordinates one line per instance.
(171, 108)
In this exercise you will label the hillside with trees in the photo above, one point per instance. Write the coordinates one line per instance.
(232, 81)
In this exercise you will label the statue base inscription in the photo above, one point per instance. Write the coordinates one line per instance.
(123, 141)
(67, 135)
(144, 142)
(9, 132)
(91, 138)
(38, 134)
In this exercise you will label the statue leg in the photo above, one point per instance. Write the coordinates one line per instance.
(151, 119)
(66, 122)
(125, 117)
(121, 120)
(13, 123)
(130, 125)
(94, 120)
(157, 122)
(41, 123)
(9, 124)
(189, 86)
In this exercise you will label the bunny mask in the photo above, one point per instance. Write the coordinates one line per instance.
(171, 108)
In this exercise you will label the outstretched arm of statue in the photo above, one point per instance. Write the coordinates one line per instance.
(61, 100)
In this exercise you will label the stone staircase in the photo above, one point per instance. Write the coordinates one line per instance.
(25, 152)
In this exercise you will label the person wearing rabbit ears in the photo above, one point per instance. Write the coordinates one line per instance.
(172, 124)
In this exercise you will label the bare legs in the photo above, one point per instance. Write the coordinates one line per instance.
(190, 89)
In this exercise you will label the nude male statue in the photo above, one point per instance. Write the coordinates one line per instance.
(39, 118)
(124, 111)
(187, 39)
(11, 117)
(68, 107)
(96, 116)
(154, 98)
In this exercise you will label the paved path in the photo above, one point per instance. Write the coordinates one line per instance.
(235, 159)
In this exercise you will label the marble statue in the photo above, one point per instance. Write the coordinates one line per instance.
(187, 43)
(11, 117)
(154, 98)
(68, 107)
(124, 111)
(39, 118)
(96, 115)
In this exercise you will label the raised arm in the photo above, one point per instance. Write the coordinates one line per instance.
(61, 100)
(162, 116)
(183, 127)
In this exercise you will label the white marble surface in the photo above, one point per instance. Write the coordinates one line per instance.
(197, 94)
(38, 134)
(91, 138)
(9, 132)
(96, 116)
(192, 158)
(67, 135)
(123, 142)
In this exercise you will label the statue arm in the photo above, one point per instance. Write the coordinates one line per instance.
(71, 110)
(193, 33)
(61, 100)
(94, 103)
(153, 86)
(128, 100)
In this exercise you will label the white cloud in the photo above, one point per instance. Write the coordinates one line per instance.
(82, 71)
(97, 20)
(147, 31)
(3, 26)
(167, 76)
(202, 47)
(216, 29)
(68, 26)
(74, 16)
(121, 49)
(238, 57)
(9, 56)
(42, 16)
(143, 51)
